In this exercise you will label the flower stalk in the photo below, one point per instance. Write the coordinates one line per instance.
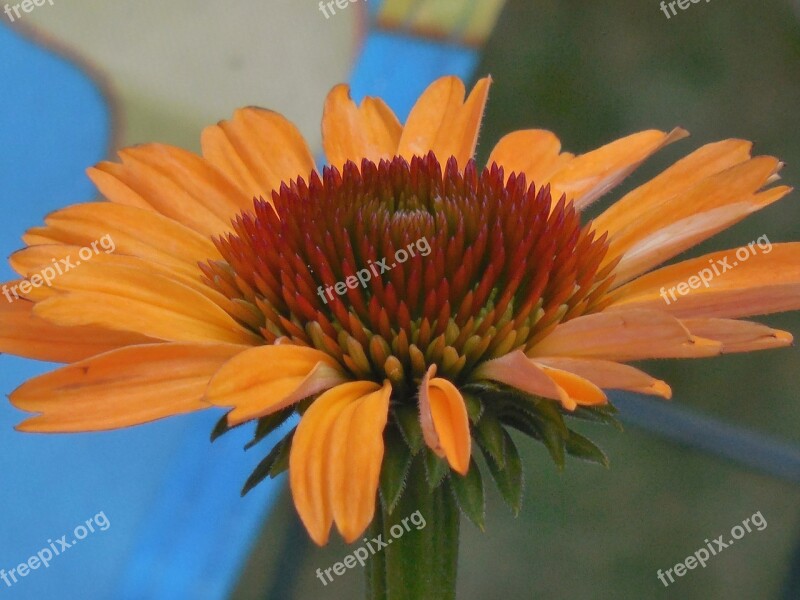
(423, 562)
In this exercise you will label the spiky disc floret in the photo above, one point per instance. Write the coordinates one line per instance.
(444, 267)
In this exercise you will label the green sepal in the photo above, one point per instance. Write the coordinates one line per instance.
(268, 424)
(509, 479)
(468, 490)
(489, 435)
(554, 440)
(222, 427)
(582, 447)
(407, 419)
(302, 406)
(397, 459)
(598, 414)
(483, 388)
(542, 417)
(548, 411)
(515, 400)
(435, 468)
(474, 406)
(275, 463)
(521, 421)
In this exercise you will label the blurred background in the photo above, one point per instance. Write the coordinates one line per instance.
(79, 79)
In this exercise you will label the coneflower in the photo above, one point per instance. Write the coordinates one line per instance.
(403, 301)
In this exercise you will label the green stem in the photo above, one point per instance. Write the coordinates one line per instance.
(422, 561)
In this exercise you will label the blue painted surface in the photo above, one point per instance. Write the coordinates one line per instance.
(398, 67)
(178, 528)
(197, 539)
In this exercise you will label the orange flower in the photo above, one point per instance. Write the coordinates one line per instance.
(518, 315)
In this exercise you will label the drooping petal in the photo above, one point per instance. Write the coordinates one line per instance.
(266, 379)
(622, 336)
(444, 420)
(534, 152)
(123, 387)
(443, 122)
(767, 281)
(125, 230)
(739, 336)
(351, 132)
(309, 467)
(258, 150)
(134, 300)
(355, 456)
(518, 371)
(610, 375)
(587, 177)
(579, 391)
(25, 334)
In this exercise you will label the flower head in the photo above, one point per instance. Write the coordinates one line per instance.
(402, 300)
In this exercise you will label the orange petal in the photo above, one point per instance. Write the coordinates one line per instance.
(130, 299)
(534, 152)
(704, 162)
(520, 372)
(739, 336)
(673, 239)
(588, 176)
(174, 182)
(161, 192)
(355, 456)
(444, 420)
(36, 259)
(43, 261)
(258, 150)
(309, 470)
(32, 259)
(579, 391)
(266, 379)
(24, 334)
(622, 336)
(351, 132)
(443, 122)
(764, 283)
(124, 387)
(610, 375)
(167, 241)
(697, 213)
